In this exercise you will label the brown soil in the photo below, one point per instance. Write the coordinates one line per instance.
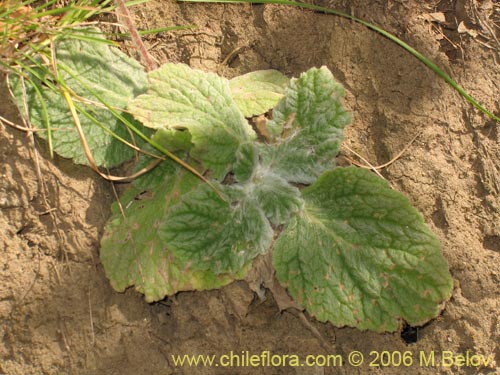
(59, 314)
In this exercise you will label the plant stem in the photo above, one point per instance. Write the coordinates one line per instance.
(124, 14)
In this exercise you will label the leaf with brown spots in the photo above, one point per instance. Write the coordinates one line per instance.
(359, 255)
(132, 250)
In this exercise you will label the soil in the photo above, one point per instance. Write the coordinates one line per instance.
(58, 312)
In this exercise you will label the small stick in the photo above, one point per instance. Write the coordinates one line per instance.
(120, 206)
(399, 154)
(58, 276)
(235, 52)
(381, 166)
(88, 153)
(370, 166)
(124, 14)
(91, 317)
(4, 122)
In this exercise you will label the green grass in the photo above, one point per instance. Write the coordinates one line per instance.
(29, 30)
(431, 65)
(28, 33)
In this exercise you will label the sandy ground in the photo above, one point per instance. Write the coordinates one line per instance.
(58, 313)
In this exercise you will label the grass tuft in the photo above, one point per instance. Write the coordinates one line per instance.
(29, 31)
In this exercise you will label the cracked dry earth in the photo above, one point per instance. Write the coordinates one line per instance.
(58, 313)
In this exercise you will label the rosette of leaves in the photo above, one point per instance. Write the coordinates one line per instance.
(348, 248)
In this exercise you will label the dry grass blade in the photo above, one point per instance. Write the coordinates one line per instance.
(431, 65)
(88, 153)
(29, 33)
(381, 166)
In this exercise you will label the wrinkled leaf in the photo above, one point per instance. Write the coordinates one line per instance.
(306, 128)
(105, 70)
(174, 140)
(257, 92)
(246, 162)
(278, 199)
(132, 252)
(353, 251)
(183, 98)
(360, 255)
(217, 235)
(177, 142)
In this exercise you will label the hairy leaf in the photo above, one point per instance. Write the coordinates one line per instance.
(278, 199)
(96, 72)
(214, 234)
(307, 126)
(258, 92)
(360, 255)
(246, 162)
(133, 253)
(174, 141)
(183, 98)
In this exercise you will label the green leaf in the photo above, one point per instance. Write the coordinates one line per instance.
(183, 98)
(132, 251)
(247, 161)
(216, 235)
(257, 92)
(360, 255)
(88, 68)
(277, 198)
(306, 128)
(175, 141)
